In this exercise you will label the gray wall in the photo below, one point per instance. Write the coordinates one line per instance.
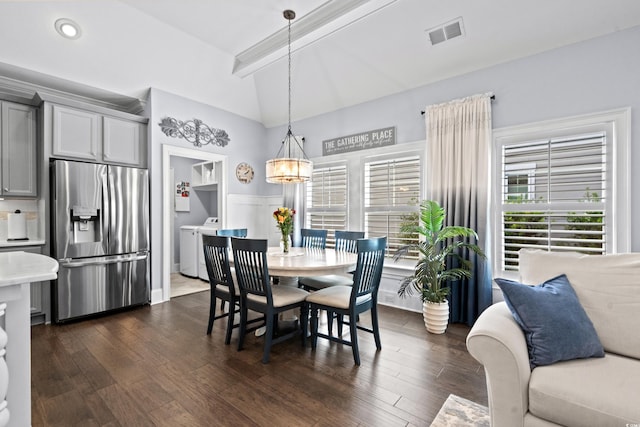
(592, 76)
(246, 145)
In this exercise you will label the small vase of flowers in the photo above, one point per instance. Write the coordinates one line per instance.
(284, 221)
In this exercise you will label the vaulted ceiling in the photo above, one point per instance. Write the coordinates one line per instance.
(232, 53)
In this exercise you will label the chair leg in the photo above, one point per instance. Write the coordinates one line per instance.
(268, 339)
(353, 329)
(314, 327)
(230, 319)
(304, 322)
(212, 312)
(243, 325)
(340, 324)
(374, 324)
(330, 316)
(222, 305)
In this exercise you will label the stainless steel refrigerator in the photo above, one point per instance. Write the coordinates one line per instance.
(100, 237)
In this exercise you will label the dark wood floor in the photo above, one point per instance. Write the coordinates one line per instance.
(155, 366)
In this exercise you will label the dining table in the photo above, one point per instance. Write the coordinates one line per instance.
(308, 262)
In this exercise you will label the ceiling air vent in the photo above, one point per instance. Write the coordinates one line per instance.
(446, 32)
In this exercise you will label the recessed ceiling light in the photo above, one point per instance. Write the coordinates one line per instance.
(68, 29)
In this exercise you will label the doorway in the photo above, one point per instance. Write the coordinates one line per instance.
(169, 151)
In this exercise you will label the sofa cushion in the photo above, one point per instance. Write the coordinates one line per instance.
(587, 392)
(608, 287)
(556, 326)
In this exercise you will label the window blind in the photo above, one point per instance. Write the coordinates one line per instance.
(392, 191)
(327, 200)
(554, 195)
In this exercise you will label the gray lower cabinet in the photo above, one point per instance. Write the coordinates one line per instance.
(18, 150)
(95, 137)
(40, 291)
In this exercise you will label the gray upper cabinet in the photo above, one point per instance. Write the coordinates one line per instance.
(18, 150)
(75, 133)
(123, 142)
(95, 137)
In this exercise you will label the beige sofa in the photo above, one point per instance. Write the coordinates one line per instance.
(583, 392)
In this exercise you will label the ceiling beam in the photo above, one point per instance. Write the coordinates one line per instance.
(332, 16)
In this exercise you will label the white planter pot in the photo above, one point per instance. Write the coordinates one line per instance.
(436, 316)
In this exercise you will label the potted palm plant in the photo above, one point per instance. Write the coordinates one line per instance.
(436, 245)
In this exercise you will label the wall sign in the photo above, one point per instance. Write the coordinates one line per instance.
(360, 141)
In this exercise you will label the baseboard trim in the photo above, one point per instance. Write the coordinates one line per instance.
(156, 296)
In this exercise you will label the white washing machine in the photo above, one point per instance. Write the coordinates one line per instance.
(188, 247)
(210, 228)
(191, 253)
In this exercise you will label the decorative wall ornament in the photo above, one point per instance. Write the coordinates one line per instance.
(194, 131)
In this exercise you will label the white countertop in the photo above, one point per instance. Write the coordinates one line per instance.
(21, 243)
(24, 267)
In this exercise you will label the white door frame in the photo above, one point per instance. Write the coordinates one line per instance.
(167, 199)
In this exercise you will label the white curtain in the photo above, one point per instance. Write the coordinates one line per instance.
(458, 142)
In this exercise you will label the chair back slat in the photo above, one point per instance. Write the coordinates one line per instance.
(216, 258)
(368, 273)
(233, 232)
(314, 238)
(346, 240)
(250, 262)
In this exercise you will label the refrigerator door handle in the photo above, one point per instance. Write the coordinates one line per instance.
(106, 214)
(75, 263)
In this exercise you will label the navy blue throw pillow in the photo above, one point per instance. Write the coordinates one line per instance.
(555, 325)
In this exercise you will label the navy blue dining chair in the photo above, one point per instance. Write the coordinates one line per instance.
(352, 300)
(313, 238)
(222, 282)
(257, 293)
(345, 241)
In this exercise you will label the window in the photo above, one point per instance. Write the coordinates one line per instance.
(391, 195)
(557, 188)
(373, 190)
(327, 200)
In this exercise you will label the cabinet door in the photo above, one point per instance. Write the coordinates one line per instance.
(76, 134)
(19, 160)
(123, 141)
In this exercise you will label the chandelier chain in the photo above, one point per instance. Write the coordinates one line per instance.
(289, 83)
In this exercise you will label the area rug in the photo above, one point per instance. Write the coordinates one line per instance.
(459, 412)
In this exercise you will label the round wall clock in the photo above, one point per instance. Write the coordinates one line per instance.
(244, 172)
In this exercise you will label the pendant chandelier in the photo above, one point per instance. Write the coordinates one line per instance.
(291, 165)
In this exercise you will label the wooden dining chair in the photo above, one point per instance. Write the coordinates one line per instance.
(233, 232)
(352, 300)
(345, 241)
(313, 238)
(257, 294)
(221, 280)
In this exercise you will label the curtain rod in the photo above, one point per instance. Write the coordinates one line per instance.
(492, 97)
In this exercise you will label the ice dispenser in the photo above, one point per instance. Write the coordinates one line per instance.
(86, 224)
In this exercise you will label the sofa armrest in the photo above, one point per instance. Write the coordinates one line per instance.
(498, 343)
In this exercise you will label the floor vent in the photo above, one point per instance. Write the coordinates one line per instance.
(446, 32)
